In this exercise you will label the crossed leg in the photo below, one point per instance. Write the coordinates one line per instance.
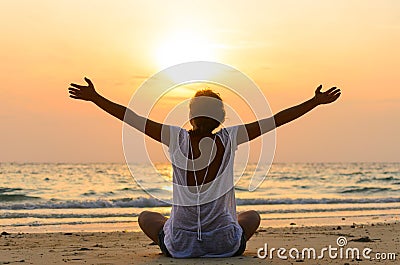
(151, 223)
(249, 221)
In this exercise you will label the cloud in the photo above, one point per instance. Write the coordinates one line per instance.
(130, 79)
(244, 44)
(265, 67)
(139, 76)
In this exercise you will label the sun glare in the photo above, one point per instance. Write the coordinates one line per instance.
(184, 47)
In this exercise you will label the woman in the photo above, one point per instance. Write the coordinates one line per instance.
(200, 226)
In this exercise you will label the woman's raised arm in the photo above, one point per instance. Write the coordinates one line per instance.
(248, 132)
(155, 130)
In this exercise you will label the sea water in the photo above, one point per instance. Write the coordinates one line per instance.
(101, 197)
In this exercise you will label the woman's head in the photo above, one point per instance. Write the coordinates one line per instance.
(207, 111)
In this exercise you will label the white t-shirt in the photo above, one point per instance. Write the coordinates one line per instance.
(220, 232)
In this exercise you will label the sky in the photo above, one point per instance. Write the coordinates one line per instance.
(287, 47)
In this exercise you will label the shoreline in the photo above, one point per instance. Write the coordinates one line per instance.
(266, 221)
(135, 248)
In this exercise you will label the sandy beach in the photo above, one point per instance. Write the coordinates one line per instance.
(124, 247)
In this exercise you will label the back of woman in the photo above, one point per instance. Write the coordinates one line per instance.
(211, 228)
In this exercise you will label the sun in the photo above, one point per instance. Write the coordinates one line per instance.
(185, 46)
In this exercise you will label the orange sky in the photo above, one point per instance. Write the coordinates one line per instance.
(287, 47)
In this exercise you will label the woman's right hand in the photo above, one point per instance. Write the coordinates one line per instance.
(87, 93)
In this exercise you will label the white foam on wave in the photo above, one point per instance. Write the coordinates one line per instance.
(142, 202)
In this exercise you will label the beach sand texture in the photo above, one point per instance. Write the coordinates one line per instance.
(135, 248)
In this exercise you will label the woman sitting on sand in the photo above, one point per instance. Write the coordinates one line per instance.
(206, 228)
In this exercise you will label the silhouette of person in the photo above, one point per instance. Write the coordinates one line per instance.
(220, 222)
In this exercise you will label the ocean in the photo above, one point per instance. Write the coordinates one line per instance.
(41, 197)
